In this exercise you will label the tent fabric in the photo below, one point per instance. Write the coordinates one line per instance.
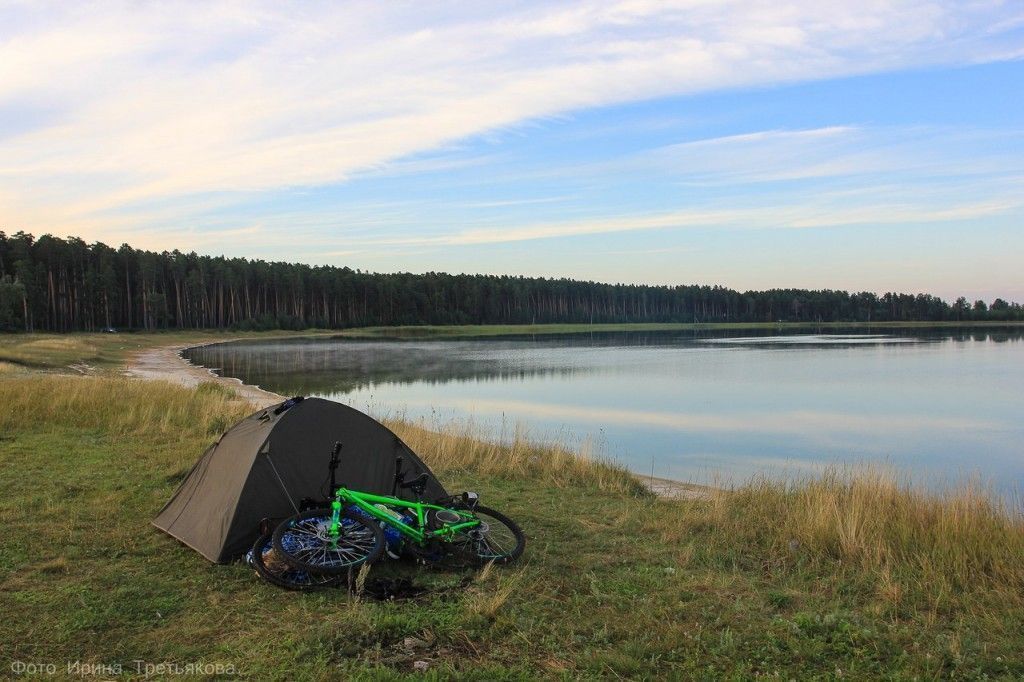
(264, 465)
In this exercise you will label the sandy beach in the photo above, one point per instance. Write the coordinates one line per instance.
(166, 363)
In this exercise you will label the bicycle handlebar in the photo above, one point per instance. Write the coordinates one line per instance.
(333, 465)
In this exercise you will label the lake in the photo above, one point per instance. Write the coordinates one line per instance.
(701, 406)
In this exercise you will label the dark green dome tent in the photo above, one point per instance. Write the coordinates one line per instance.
(267, 463)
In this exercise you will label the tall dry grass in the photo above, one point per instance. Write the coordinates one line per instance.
(458, 447)
(121, 405)
(868, 524)
(117, 405)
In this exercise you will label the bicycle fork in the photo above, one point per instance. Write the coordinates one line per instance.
(334, 529)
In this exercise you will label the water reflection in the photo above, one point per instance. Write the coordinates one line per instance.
(699, 406)
(340, 366)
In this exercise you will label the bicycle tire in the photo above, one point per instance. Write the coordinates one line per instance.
(303, 542)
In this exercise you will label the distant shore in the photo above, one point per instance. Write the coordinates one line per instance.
(542, 329)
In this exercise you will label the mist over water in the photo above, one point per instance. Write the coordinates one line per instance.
(939, 406)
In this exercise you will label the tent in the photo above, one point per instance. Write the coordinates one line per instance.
(267, 463)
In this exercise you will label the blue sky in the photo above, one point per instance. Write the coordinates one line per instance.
(876, 146)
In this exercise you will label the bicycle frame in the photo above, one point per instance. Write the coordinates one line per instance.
(367, 502)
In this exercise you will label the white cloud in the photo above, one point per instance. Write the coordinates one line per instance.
(155, 100)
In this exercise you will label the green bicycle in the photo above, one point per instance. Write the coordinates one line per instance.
(351, 532)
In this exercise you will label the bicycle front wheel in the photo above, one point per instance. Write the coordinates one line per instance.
(283, 575)
(306, 542)
(496, 539)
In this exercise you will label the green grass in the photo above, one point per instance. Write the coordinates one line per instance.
(852, 575)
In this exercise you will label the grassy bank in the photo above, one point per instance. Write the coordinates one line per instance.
(851, 575)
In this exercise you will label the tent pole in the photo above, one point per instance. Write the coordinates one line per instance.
(283, 487)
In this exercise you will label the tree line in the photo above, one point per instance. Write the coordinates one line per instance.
(61, 285)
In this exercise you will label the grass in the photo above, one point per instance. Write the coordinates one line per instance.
(105, 353)
(457, 450)
(850, 574)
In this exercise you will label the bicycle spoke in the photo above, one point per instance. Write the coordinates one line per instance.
(495, 542)
(488, 540)
(310, 541)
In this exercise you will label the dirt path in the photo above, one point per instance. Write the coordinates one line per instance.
(166, 364)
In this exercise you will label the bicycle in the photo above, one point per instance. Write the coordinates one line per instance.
(351, 531)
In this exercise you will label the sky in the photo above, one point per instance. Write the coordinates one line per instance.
(849, 145)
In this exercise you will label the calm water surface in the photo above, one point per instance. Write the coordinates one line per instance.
(695, 406)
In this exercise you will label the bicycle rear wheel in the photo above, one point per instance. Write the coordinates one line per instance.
(306, 543)
(496, 539)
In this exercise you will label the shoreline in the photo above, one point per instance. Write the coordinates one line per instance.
(166, 363)
(551, 329)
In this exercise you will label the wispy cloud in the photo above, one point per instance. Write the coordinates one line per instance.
(837, 151)
(515, 202)
(149, 101)
(795, 216)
